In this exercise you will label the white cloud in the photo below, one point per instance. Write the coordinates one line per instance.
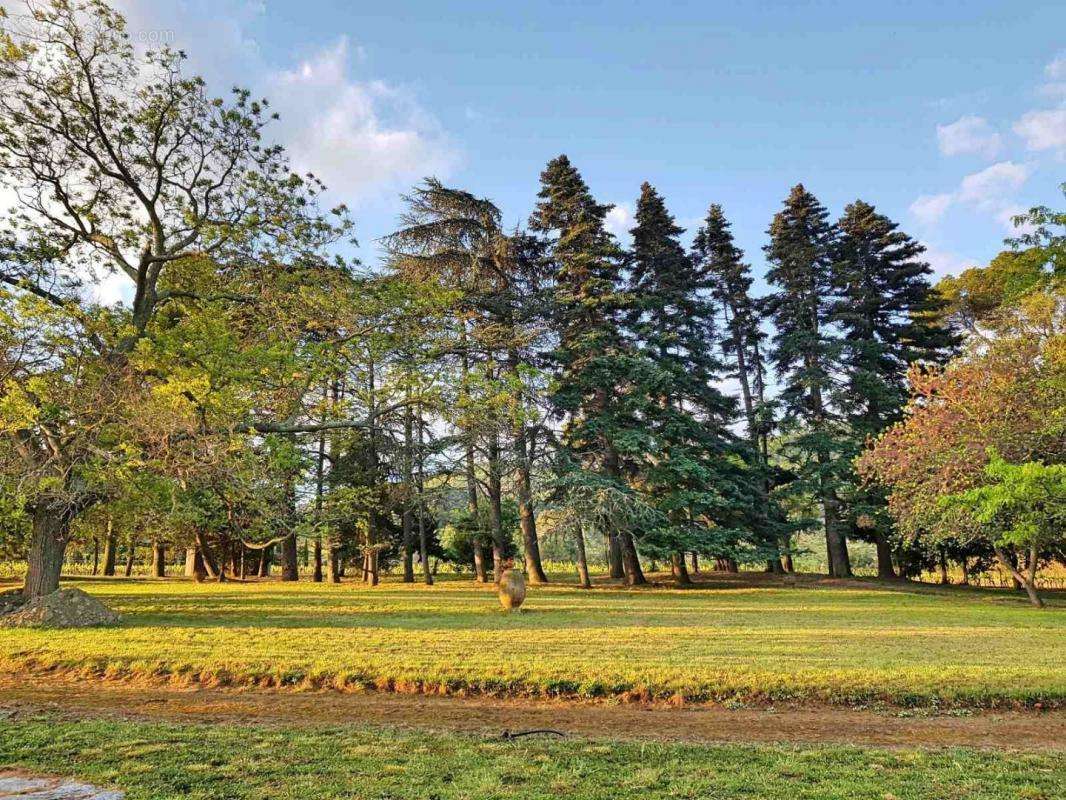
(929, 208)
(362, 137)
(968, 135)
(620, 220)
(989, 188)
(990, 191)
(1043, 130)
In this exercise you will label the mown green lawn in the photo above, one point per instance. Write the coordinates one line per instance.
(235, 762)
(851, 645)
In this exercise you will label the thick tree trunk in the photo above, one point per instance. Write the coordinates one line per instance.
(582, 561)
(48, 543)
(680, 572)
(835, 543)
(159, 559)
(130, 556)
(290, 566)
(884, 557)
(110, 549)
(630, 560)
(695, 563)
(942, 560)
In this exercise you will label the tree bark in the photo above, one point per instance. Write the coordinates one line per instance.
(159, 559)
(110, 549)
(526, 518)
(680, 572)
(836, 544)
(423, 535)
(207, 556)
(48, 543)
(695, 563)
(943, 562)
(408, 515)
(634, 575)
(290, 565)
(130, 556)
(614, 556)
(884, 557)
(266, 557)
(582, 561)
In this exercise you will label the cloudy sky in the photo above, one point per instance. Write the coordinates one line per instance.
(949, 116)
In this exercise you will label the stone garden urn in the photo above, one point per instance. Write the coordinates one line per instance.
(512, 589)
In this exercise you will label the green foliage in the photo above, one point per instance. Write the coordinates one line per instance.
(1022, 504)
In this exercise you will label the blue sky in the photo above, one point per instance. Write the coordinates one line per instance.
(947, 116)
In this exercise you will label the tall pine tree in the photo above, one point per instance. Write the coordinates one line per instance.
(727, 279)
(806, 357)
(887, 312)
(594, 361)
(694, 472)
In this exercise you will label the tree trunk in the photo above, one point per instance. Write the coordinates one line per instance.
(835, 543)
(159, 559)
(526, 517)
(680, 572)
(884, 557)
(614, 556)
(408, 477)
(316, 575)
(582, 561)
(695, 563)
(266, 556)
(943, 562)
(1026, 579)
(110, 549)
(423, 534)
(130, 556)
(630, 560)
(206, 556)
(190, 562)
(290, 565)
(48, 543)
(96, 555)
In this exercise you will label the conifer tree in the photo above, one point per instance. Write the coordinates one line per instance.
(593, 360)
(694, 472)
(887, 312)
(727, 278)
(806, 356)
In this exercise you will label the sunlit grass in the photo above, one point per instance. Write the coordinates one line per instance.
(848, 645)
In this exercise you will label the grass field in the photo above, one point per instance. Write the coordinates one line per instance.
(735, 642)
(157, 761)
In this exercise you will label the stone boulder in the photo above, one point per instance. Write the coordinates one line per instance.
(512, 589)
(66, 608)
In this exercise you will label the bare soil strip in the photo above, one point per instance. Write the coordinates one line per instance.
(1014, 730)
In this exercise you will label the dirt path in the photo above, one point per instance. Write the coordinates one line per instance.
(1007, 729)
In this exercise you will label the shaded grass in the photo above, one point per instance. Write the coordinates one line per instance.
(159, 761)
(740, 643)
